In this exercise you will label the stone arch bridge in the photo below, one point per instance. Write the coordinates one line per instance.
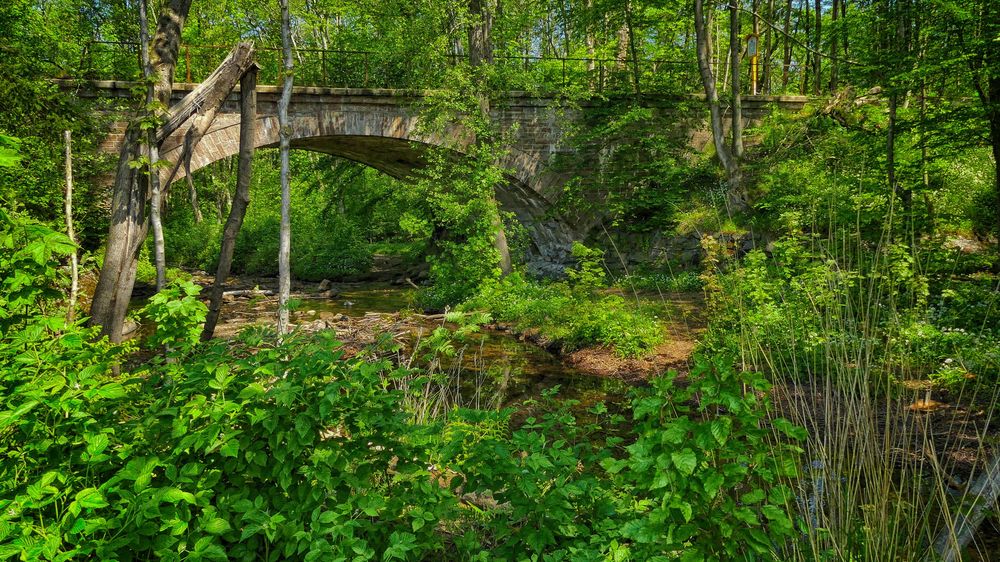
(379, 128)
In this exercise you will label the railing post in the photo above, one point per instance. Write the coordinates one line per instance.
(366, 69)
(323, 57)
(187, 61)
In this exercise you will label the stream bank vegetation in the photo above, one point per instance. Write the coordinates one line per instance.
(250, 448)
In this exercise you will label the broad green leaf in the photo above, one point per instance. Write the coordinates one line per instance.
(685, 461)
(91, 498)
(216, 526)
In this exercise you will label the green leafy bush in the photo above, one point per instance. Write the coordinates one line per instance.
(571, 317)
(178, 315)
(704, 477)
(29, 276)
(679, 282)
(253, 450)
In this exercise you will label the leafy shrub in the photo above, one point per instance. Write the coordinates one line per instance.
(572, 317)
(192, 244)
(704, 478)
(178, 315)
(322, 248)
(291, 451)
(29, 275)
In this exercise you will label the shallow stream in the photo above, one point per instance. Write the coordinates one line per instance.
(485, 364)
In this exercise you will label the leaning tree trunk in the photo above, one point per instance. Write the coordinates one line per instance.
(284, 136)
(238, 209)
(981, 498)
(128, 200)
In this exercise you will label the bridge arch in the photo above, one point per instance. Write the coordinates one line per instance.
(391, 142)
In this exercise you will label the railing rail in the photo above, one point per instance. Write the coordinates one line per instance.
(346, 68)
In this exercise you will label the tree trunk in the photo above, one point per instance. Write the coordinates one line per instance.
(126, 233)
(285, 136)
(983, 492)
(806, 68)
(481, 53)
(736, 196)
(818, 47)
(703, 43)
(68, 208)
(192, 193)
(834, 35)
(480, 32)
(769, 47)
(159, 250)
(128, 221)
(203, 104)
(166, 45)
(843, 25)
(591, 43)
(636, 72)
(993, 114)
(786, 61)
(238, 209)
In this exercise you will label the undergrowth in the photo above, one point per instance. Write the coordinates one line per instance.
(254, 449)
(575, 313)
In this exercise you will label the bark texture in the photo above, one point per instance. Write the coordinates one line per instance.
(131, 192)
(68, 208)
(238, 209)
(128, 200)
(729, 155)
(285, 135)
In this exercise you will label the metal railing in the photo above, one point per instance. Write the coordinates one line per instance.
(339, 68)
(344, 68)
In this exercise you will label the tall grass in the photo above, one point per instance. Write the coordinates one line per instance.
(883, 480)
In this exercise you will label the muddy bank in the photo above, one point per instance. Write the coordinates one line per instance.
(683, 325)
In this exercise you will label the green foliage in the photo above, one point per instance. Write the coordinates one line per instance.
(570, 316)
(678, 282)
(178, 315)
(590, 274)
(9, 153)
(326, 244)
(293, 452)
(703, 478)
(455, 192)
(29, 274)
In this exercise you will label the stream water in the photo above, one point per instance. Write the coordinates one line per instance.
(490, 368)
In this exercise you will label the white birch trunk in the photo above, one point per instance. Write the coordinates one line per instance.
(285, 133)
(74, 265)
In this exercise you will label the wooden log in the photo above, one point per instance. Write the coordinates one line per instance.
(951, 541)
(249, 293)
(212, 92)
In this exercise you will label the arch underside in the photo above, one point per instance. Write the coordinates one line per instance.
(399, 156)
